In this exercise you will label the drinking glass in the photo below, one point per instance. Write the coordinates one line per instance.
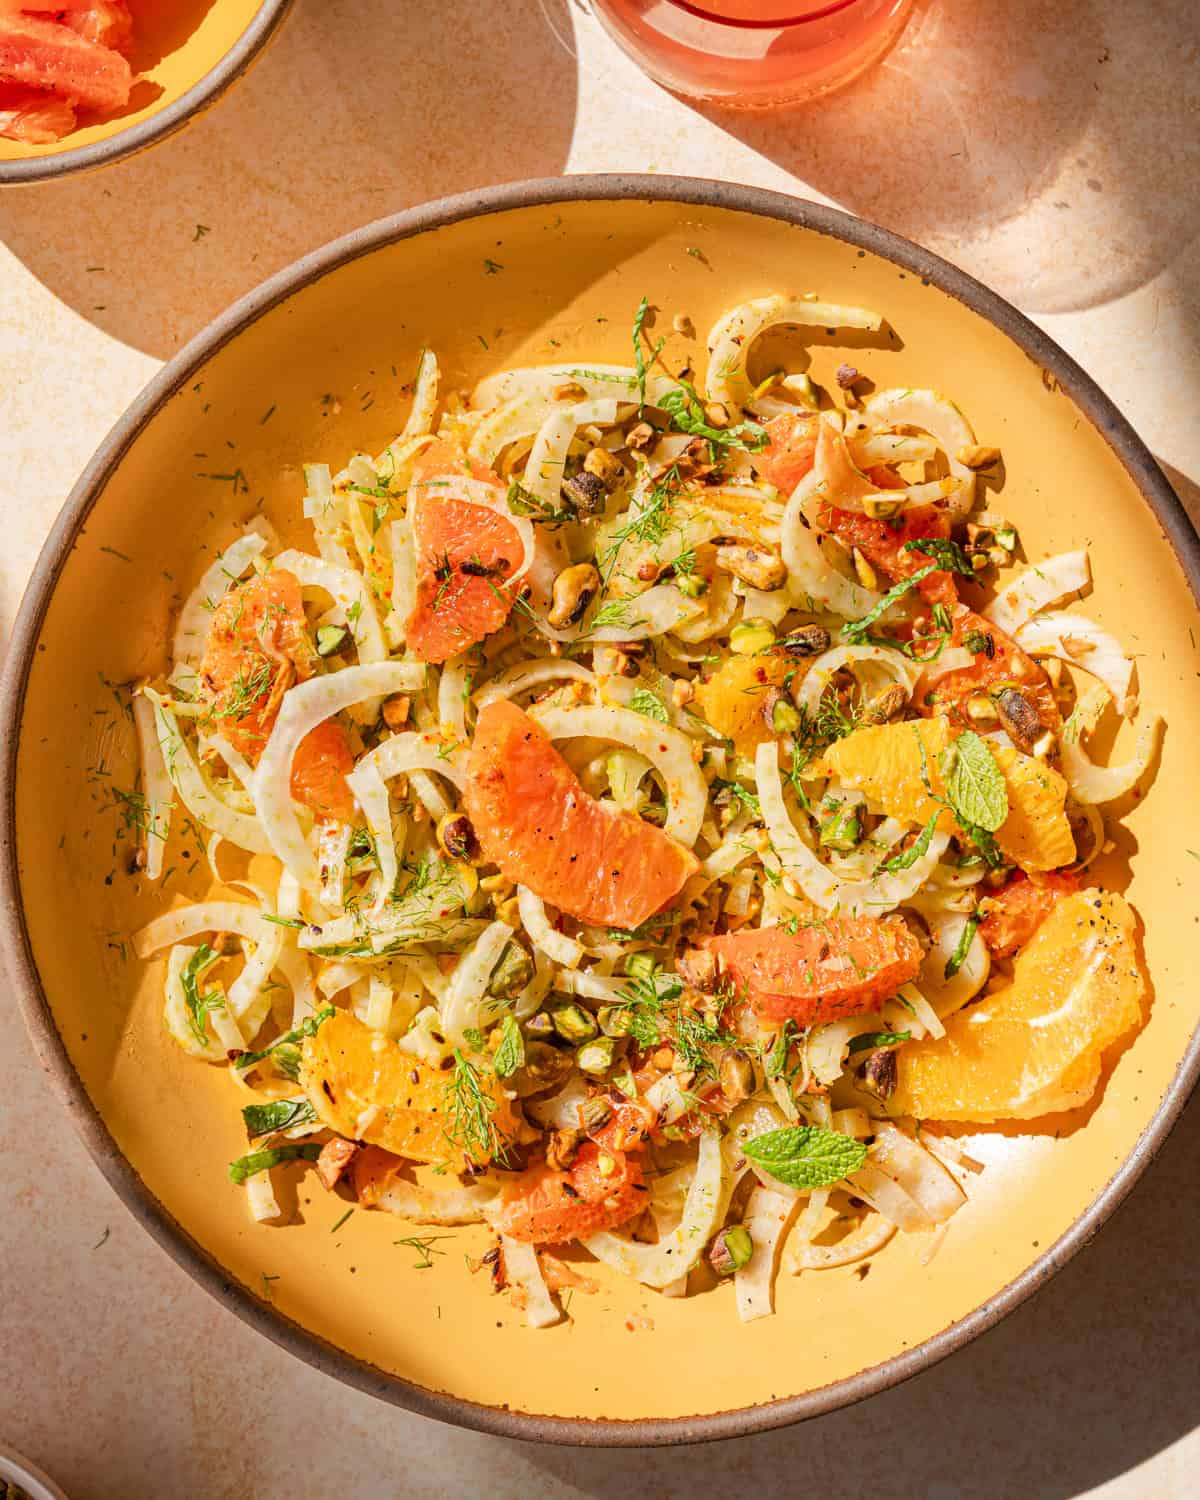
(753, 54)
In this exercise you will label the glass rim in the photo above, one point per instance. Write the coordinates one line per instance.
(751, 24)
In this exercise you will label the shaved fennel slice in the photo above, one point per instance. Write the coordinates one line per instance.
(871, 1235)
(453, 692)
(918, 1172)
(879, 894)
(839, 481)
(1090, 783)
(425, 395)
(445, 1206)
(768, 1217)
(826, 1046)
(820, 673)
(887, 447)
(703, 1209)
(324, 507)
(591, 986)
(521, 1268)
(555, 945)
(948, 995)
(1081, 643)
(217, 1023)
(520, 679)
(669, 750)
(156, 784)
(404, 582)
(191, 629)
(242, 829)
(599, 382)
(304, 707)
(917, 1005)
(734, 334)
(213, 740)
(547, 462)
(368, 781)
(1044, 583)
(294, 967)
(931, 412)
(813, 580)
(885, 1194)
(260, 1198)
(658, 611)
(462, 1004)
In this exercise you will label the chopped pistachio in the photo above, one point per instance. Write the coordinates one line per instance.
(749, 637)
(731, 1250)
(573, 1023)
(596, 1057)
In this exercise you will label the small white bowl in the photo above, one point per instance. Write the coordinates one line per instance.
(18, 1470)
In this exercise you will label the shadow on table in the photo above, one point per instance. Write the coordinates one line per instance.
(1045, 1406)
(360, 108)
(998, 134)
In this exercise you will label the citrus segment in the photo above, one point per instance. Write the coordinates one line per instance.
(884, 543)
(789, 453)
(535, 821)
(1014, 913)
(827, 968)
(464, 554)
(885, 762)
(543, 1206)
(257, 647)
(733, 700)
(41, 53)
(368, 1089)
(999, 661)
(1035, 1046)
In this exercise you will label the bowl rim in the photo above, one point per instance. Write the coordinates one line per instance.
(190, 104)
(14, 938)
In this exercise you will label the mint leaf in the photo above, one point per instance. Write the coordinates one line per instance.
(949, 554)
(962, 948)
(510, 1054)
(686, 410)
(909, 857)
(650, 705)
(806, 1156)
(875, 1039)
(283, 1114)
(287, 1042)
(259, 1161)
(856, 630)
(974, 783)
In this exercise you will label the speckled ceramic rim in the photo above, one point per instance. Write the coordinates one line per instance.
(149, 132)
(133, 1192)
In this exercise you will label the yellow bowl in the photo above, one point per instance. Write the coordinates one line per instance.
(310, 367)
(187, 53)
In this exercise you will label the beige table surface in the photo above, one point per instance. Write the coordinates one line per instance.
(1050, 146)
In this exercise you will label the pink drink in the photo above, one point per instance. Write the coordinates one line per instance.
(752, 54)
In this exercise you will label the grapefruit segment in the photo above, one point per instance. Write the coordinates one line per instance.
(602, 1189)
(1034, 1047)
(1014, 913)
(828, 968)
(789, 453)
(883, 543)
(464, 554)
(32, 116)
(44, 54)
(257, 647)
(998, 660)
(535, 821)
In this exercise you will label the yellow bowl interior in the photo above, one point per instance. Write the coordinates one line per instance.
(317, 378)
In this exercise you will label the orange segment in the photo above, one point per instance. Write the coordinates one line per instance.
(828, 968)
(536, 822)
(257, 647)
(1034, 1047)
(464, 554)
(884, 762)
(367, 1089)
(733, 698)
(602, 1189)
